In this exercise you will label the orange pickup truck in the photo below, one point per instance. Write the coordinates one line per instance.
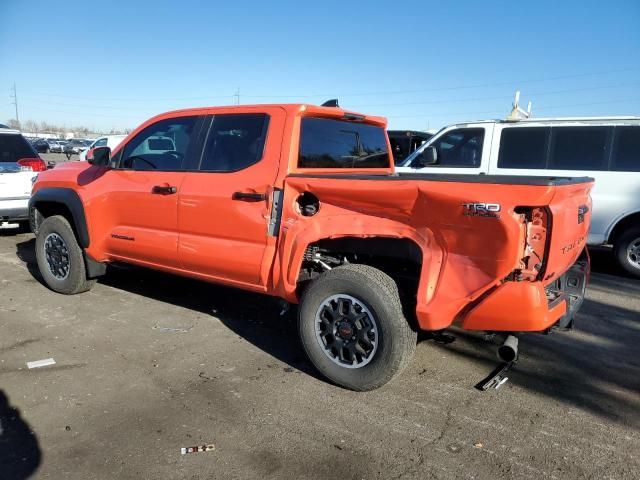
(302, 202)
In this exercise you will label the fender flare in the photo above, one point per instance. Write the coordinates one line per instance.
(70, 199)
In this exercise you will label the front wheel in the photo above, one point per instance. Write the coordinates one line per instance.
(352, 326)
(627, 251)
(60, 258)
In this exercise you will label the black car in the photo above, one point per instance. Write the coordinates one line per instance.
(405, 142)
(41, 145)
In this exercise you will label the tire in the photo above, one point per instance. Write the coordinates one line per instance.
(627, 251)
(56, 237)
(368, 293)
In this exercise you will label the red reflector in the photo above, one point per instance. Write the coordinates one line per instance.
(36, 164)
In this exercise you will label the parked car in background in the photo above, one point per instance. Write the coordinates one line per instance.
(605, 148)
(56, 146)
(75, 146)
(111, 141)
(41, 145)
(405, 142)
(19, 166)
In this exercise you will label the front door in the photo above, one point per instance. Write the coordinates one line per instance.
(138, 211)
(224, 206)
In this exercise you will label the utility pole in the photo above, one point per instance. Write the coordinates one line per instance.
(237, 95)
(15, 101)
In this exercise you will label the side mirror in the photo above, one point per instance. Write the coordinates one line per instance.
(99, 156)
(428, 156)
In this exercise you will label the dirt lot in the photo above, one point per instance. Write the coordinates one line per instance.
(147, 363)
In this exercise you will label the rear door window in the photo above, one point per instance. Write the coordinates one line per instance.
(235, 142)
(579, 148)
(460, 148)
(626, 149)
(523, 148)
(329, 143)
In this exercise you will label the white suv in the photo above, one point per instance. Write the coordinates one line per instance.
(19, 164)
(607, 149)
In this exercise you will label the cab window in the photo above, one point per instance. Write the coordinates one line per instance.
(162, 146)
(234, 142)
(329, 143)
(460, 148)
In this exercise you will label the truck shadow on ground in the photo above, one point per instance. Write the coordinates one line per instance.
(20, 454)
(596, 368)
(254, 317)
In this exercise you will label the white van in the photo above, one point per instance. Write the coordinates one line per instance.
(111, 141)
(607, 149)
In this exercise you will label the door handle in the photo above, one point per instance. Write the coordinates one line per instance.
(249, 196)
(164, 190)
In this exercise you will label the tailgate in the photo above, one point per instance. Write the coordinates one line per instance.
(15, 183)
(570, 221)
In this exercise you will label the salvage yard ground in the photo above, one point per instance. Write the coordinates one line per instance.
(148, 363)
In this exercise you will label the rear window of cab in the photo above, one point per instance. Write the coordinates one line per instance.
(331, 143)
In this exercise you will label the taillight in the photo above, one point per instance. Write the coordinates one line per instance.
(536, 221)
(36, 164)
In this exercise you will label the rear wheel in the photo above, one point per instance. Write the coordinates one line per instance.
(60, 258)
(627, 251)
(353, 329)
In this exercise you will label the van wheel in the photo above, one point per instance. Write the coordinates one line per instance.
(627, 251)
(353, 329)
(60, 258)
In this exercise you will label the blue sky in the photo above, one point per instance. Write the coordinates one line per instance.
(421, 64)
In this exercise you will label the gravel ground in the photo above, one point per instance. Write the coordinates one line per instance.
(147, 363)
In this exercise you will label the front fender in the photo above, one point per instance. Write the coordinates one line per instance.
(71, 200)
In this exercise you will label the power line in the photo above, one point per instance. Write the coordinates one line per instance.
(502, 97)
(353, 94)
(496, 112)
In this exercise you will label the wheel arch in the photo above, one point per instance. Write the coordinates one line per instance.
(621, 225)
(59, 201)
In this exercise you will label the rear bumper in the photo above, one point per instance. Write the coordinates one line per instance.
(531, 306)
(14, 209)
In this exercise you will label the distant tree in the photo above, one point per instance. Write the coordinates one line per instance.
(13, 123)
(31, 126)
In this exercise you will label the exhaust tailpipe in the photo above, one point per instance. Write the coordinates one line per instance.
(508, 351)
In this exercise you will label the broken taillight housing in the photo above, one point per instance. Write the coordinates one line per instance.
(533, 262)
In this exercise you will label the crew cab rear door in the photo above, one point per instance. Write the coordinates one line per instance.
(225, 201)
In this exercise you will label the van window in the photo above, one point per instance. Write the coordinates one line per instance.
(328, 143)
(626, 149)
(523, 147)
(579, 148)
(460, 148)
(235, 142)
